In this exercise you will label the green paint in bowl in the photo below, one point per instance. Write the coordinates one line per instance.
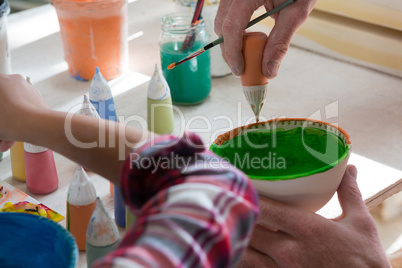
(295, 161)
(280, 154)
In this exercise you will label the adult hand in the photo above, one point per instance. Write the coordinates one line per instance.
(234, 15)
(19, 100)
(305, 239)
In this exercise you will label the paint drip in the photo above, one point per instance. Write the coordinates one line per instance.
(102, 234)
(81, 203)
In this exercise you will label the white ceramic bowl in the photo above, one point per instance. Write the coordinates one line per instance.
(310, 191)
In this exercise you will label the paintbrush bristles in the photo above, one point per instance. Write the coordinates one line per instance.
(189, 57)
(171, 66)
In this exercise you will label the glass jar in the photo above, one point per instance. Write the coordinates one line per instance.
(94, 34)
(219, 67)
(189, 82)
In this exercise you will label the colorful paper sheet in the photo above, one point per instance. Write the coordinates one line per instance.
(14, 200)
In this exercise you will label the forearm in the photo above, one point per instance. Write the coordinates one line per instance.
(99, 145)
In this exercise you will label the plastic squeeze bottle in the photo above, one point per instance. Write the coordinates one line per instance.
(88, 109)
(40, 169)
(159, 105)
(130, 218)
(101, 98)
(81, 203)
(18, 161)
(255, 84)
(102, 234)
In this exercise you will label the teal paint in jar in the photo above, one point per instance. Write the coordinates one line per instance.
(189, 82)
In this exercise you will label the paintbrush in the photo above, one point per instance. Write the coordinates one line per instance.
(220, 39)
(190, 38)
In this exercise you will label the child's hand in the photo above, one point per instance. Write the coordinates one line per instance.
(5, 145)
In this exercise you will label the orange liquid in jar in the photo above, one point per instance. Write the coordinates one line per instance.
(94, 34)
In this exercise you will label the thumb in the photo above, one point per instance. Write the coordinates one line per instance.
(287, 22)
(275, 50)
(349, 194)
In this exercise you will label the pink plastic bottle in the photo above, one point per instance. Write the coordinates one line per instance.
(40, 169)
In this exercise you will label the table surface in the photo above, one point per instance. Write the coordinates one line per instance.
(367, 104)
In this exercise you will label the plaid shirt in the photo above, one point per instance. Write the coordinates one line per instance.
(193, 208)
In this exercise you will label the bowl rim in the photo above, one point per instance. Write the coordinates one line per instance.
(240, 130)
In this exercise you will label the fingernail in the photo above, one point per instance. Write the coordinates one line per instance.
(273, 67)
(235, 71)
(352, 171)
